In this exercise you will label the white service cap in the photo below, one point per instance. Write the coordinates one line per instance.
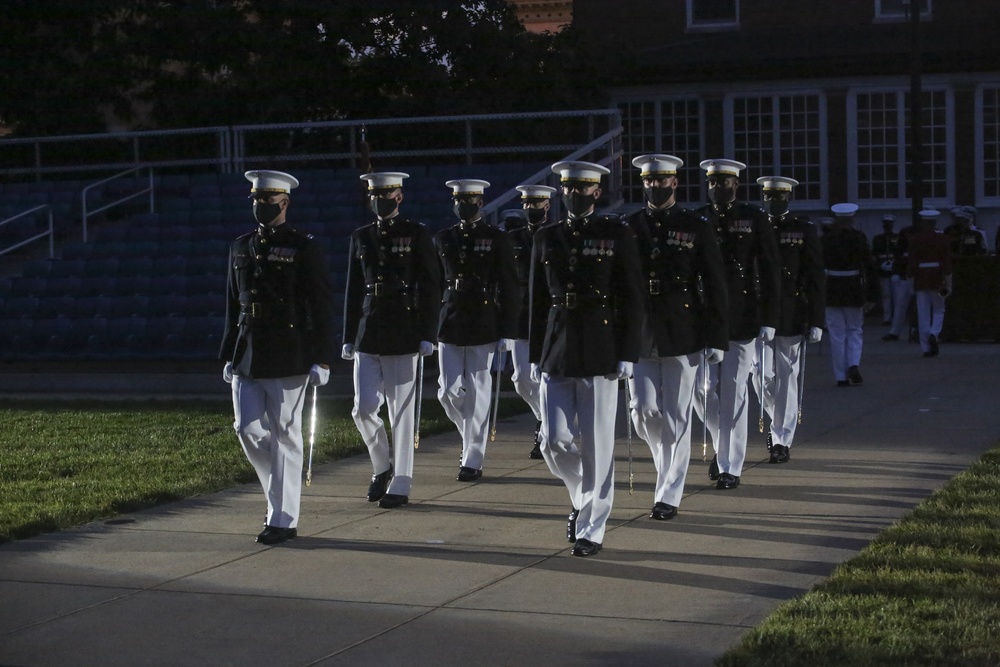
(385, 180)
(263, 180)
(657, 164)
(536, 191)
(722, 166)
(587, 172)
(777, 183)
(468, 186)
(844, 210)
(929, 213)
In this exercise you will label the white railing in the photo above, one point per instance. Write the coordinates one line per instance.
(50, 233)
(85, 213)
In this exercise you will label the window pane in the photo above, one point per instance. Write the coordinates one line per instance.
(991, 142)
(714, 11)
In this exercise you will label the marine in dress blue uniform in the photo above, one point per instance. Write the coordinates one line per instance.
(535, 203)
(753, 270)
(802, 313)
(684, 285)
(478, 318)
(851, 290)
(390, 318)
(584, 335)
(278, 339)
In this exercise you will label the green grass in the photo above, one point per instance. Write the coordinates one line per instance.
(925, 592)
(63, 464)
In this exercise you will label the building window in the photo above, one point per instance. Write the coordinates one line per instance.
(781, 135)
(881, 151)
(713, 14)
(670, 126)
(896, 10)
(988, 146)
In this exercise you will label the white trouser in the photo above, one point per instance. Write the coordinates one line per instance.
(269, 427)
(901, 292)
(707, 390)
(734, 373)
(663, 393)
(885, 289)
(584, 407)
(391, 380)
(930, 316)
(845, 327)
(464, 389)
(521, 377)
(781, 386)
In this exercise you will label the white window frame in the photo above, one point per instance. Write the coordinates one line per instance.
(886, 15)
(981, 197)
(901, 142)
(709, 26)
(775, 167)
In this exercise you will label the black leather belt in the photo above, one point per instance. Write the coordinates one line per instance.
(464, 285)
(386, 289)
(572, 300)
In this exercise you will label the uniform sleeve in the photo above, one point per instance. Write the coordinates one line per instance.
(231, 331)
(509, 289)
(319, 295)
(769, 267)
(715, 331)
(868, 269)
(354, 293)
(427, 270)
(628, 296)
(815, 278)
(539, 299)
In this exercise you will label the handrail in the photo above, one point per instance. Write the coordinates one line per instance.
(83, 195)
(51, 233)
(492, 210)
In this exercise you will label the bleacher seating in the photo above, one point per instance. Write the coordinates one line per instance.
(152, 286)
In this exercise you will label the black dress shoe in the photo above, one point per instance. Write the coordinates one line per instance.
(854, 375)
(571, 525)
(391, 500)
(468, 474)
(713, 468)
(275, 535)
(585, 548)
(890, 336)
(727, 481)
(779, 454)
(932, 341)
(663, 512)
(380, 483)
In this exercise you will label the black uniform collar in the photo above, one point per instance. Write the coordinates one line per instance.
(660, 214)
(266, 232)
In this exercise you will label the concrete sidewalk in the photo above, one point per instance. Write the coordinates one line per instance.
(482, 573)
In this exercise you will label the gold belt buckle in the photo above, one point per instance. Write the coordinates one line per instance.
(571, 300)
(654, 286)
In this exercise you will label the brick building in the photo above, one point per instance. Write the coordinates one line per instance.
(818, 91)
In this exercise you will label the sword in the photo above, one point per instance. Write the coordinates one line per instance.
(802, 375)
(495, 408)
(628, 435)
(420, 396)
(312, 439)
(760, 367)
(704, 421)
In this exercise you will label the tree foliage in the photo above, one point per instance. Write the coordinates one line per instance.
(175, 63)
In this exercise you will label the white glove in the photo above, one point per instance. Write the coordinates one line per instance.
(318, 375)
(506, 344)
(815, 335)
(227, 372)
(767, 334)
(536, 374)
(622, 372)
(426, 348)
(347, 352)
(714, 355)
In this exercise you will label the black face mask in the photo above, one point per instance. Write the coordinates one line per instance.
(657, 197)
(577, 203)
(535, 215)
(264, 214)
(383, 208)
(465, 211)
(721, 195)
(776, 207)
